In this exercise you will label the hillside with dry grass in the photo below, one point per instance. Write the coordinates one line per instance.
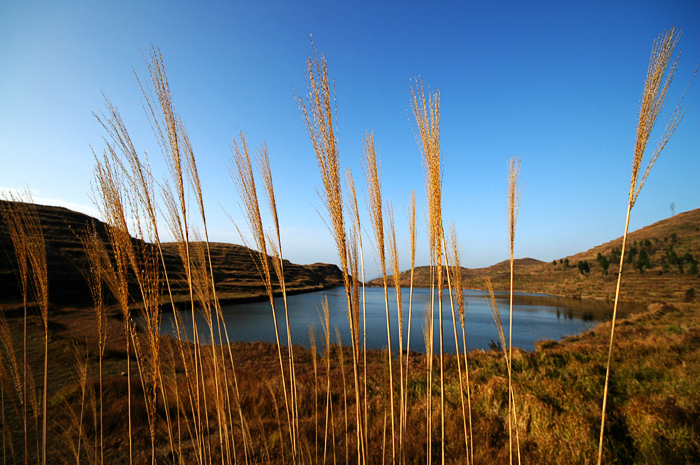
(669, 272)
(661, 265)
(235, 273)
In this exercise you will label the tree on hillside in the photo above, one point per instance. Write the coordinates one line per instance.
(671, 256)
(583, 267)
(688, 258)
(674, 260)
(604, 263)
(643, 261)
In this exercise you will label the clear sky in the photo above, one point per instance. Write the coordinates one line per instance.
(556, 83)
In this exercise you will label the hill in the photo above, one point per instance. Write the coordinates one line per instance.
(421, 274)
(235, 273)
(661, 264)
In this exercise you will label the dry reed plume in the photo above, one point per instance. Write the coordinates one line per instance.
(457, 294)
(317, 111)
(660, 74)
(30, 251)
(514, 196)
(244, 179)
(13, 215)
(374, 189)
(98, 260)
(426, 112)
(126, 197)
(357, 241)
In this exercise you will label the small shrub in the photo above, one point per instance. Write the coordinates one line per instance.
(643, 261)
(689, 295)
(604, 263)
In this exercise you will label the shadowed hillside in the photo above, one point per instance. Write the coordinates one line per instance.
(234, 270)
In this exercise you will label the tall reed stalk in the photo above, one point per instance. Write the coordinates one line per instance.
(503, 343)
(14, 213)
(660, 74)
(111, 203)
(426, 112)
(40, 278)
(329, 422)
(457, 293)
(428, 327)
(412, 234)
(241, 170)
(341, 359)
(514, 196)
(314, 361)
(374, 189)
(278, 263)
(174, 144)
(317, 110)
(357, 239)
(462, 308)
(30, 250)
(396, 278)
(98, 259)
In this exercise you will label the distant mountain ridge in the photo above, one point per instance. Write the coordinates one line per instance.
(235, 273)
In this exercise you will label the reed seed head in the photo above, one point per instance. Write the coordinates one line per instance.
(660, 74)
(514, 196)
(427, 115)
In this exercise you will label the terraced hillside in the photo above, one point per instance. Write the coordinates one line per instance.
(235, 272)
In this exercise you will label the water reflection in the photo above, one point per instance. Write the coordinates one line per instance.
(535, 317)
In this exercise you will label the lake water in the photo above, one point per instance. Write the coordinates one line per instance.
(535, 317)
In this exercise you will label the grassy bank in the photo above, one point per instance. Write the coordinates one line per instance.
(653, 416)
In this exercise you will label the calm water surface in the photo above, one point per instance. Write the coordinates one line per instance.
(535, 317)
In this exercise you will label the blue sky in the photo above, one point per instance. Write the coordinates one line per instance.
(556, 83)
